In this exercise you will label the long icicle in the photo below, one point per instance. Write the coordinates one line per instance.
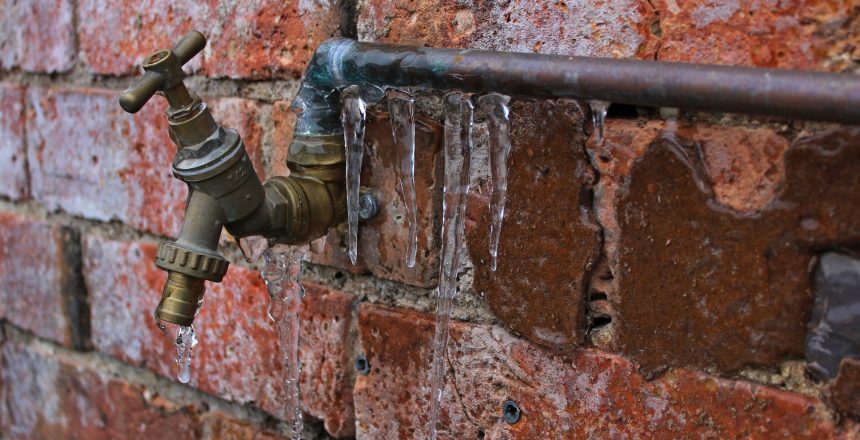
(353, 117)
(495, 106)
(401, 106)
(281, 274)
(458, 150)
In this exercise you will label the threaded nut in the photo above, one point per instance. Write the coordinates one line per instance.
(174, 258)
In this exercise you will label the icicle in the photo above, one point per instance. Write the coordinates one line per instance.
(281, 274)
(598, 116)
(458, 149)
(318, 246)
(495, 106)
(401, 108)
(352, 117)
(184, 340)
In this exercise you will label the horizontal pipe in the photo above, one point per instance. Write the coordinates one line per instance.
(783, 93)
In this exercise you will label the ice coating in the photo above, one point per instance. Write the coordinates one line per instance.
(495, 107)
(253, 247)
(184, 339)
(401, 106)
(353, 113)
(458, 149)
(283, 265)
(598, 117)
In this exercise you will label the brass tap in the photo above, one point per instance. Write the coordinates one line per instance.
(224, 190)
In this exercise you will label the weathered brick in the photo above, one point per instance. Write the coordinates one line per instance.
(580, 27)
(237, 355)
(545, 256)
(38, 35)
(13, 152)
(588, 394)
(40, 288)
(844, 391)
(806, 34)
(283, 123)
(247, 38)
(696, 282)
(219, 426)
(89, 158)
(49, 397)
(382, 241)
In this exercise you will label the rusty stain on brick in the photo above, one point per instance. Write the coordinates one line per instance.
(699, 284)
(550, 240)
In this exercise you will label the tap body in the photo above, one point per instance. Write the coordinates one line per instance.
(224, 191)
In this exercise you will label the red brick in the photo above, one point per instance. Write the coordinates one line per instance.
(283, 121)
(382, 241)
(218, 426)
(588, 394)
(806, 34)
(237, 355)
(247, 38)
(581, 27)
(38, 35)
(695, 282)
(49, 397)
(13, 150)
(40, 289)
(89, 158)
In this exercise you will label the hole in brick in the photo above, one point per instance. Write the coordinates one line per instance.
(14, 158)
(511, 412)
(94, 159)
(598, 296)
(600, 321)
(622, 111)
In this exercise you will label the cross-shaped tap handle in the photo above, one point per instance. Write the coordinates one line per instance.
(164, 74)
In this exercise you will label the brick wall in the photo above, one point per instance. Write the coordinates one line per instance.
(656, 286)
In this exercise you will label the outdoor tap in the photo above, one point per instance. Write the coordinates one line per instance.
(224, 191)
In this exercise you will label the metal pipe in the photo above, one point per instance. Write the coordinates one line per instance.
(783, 93)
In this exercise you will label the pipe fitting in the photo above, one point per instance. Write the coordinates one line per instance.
(225, 191)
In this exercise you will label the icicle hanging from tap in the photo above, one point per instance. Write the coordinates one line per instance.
(458, 150)
(353, 114)
(598, 117)
(184, 340)
(495, 106)
(283, 265)
(401, 106)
